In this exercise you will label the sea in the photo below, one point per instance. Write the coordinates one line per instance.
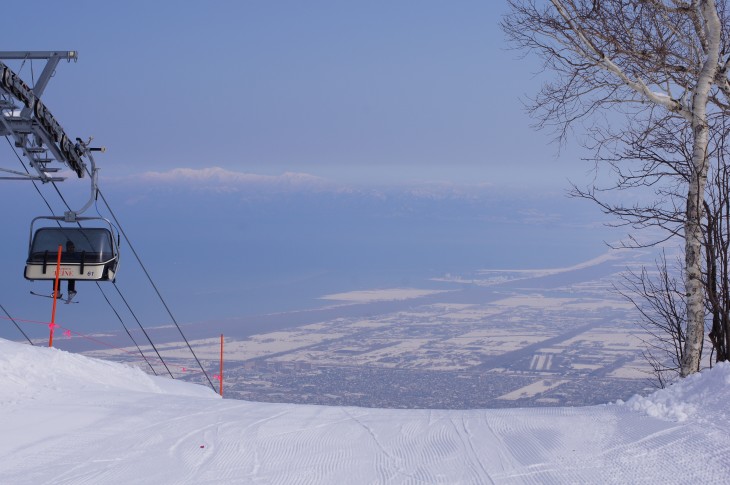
(202, 256)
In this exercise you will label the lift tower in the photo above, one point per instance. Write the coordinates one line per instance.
(33, 128)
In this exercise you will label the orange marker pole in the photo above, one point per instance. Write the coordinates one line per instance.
(55, 295)
(221, 372)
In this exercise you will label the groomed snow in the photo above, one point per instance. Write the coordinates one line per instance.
(66, 419)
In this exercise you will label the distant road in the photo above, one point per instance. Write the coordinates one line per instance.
(509, 359)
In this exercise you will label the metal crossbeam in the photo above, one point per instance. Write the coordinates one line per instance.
(20, 55)
(34, 129)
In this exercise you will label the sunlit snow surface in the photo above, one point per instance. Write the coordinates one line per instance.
(65, 418)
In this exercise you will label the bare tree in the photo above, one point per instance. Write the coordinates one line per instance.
(657, 294)
(657, 62)
(660, 299)
(653, 162)
(717, 250)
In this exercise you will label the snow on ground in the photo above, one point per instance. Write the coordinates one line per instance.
(65, 419)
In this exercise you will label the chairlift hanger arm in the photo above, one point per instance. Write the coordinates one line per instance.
(72, 216)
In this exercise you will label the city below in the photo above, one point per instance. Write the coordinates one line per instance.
(489, 340)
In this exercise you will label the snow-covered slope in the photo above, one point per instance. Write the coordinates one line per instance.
(69, 419)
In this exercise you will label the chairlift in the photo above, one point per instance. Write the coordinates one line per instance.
(87, 253)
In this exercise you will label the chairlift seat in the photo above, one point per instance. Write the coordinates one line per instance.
(95, 256)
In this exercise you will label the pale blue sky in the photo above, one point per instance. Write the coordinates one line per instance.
(376, 91)
(369, 98)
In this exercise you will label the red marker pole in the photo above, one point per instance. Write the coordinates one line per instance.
(55, 295)
(221, 372)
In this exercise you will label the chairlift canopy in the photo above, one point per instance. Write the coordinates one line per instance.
(87, 253)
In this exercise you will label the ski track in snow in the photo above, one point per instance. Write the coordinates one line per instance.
(62, 427)
(308, 444)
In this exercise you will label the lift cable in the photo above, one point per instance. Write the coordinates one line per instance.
(123, 299)
(149, 278)
(16, 325)
(127, 330)
(49, 208)
(143, 330)
(107, 300)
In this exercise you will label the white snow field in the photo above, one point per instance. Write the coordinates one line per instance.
(65, 418)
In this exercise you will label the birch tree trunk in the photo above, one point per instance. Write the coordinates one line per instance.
(696, 193)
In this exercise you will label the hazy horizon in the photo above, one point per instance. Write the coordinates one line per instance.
(252, 247)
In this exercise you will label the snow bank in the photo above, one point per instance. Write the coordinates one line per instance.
(702, 397)
(27, 372)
